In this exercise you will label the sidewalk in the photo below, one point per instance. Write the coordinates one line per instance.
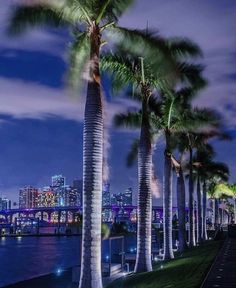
(223, 273)
(64, 280)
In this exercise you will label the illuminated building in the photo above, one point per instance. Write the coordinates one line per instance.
(47, 197)
(127, 197)
(106, 201)
(123, 199)
(106, 197)
(70, 196)
(28, 197)
(78, 190)
(5, 204)
(58, 186)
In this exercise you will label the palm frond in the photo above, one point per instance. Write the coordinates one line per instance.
(130, 119)
(79, 53)
(24, 17)
(191, 74)
(147, 44)
(183, 47)
(121, 70)
(111, 10)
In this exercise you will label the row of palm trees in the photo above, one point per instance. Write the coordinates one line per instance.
(163, 75)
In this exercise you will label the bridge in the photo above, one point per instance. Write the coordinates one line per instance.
(68, 213)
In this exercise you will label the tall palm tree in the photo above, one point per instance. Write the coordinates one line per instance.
(181, 144)
(218, 190)
(233, 188)
(176, 115)
(203, 166)
(128, 69)
(201, 159)
(88, 21)
(197, 140)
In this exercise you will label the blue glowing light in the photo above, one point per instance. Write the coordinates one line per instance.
(59, 271)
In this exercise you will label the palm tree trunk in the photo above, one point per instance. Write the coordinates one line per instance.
(221, 212)
(204, 210)
(167, 203)
(213, 212)
(199, 211)
(192, 241)
(181, 211)
(144, 226)
(235, 210)
(90, 276)
(217, 213)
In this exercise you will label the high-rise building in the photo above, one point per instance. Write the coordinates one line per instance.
(127, 197)
(28, 197)
(78, 190)
(122, 199)
(70, 196)
(58, 186)
(58, 181)
(106, 196)
(47, 197)
(5, 204)
(106, 201)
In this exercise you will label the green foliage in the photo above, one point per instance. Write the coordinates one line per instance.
(130, 119)
(194, 262)
(183, 47)
(25, 17)
(79, 16)
(79, 52)
(105, 231)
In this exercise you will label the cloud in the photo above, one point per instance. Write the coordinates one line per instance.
(21, 99)
(28, 100)
(38, 39)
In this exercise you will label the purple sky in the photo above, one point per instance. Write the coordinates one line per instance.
(41, 122)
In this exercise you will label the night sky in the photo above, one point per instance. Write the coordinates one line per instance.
(41, 122)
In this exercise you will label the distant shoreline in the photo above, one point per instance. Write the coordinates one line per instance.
(39, 235)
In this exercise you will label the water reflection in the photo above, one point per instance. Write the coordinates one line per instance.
(27, 257)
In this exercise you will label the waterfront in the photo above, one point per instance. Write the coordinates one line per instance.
(24, 258)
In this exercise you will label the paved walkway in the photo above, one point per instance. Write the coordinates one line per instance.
(223, 271)
(57, 281)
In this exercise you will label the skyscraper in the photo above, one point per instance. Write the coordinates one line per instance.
(127, 197)
(58, 186)
(106, 201)
(28, 197)
(46, 197)
(70, 196)
(5, 204)
(78, 190)
(106, 196)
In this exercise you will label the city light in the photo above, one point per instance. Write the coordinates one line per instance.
(59, 272)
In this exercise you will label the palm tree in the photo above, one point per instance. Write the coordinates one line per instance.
(88, 20)
(204, 166)
(233, 188)
(196, 140)
(181, 144)
(130, 69)
(175, 115)
(218, 190)
(127, 69)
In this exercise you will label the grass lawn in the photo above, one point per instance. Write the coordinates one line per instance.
(185, 271)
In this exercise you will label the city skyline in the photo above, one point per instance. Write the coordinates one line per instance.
(41, 130)
(59, 193)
